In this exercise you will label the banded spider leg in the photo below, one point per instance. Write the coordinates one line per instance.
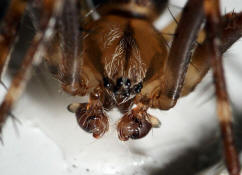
(208, 54)
(52, 10)
(223, 105)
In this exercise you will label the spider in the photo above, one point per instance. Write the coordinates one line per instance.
(121, 60)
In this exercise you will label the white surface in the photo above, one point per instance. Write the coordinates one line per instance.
(51, 142)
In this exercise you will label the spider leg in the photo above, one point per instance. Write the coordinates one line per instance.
(180, 55)
(70, 39)
(47, 23)
(223, 106)
(209, 54)
(200, 64)
(8, 30)
(65, 54)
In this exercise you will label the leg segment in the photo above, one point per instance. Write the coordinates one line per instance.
(65, 55)
(70, 40)
(180, 55)
(8, 30)
(223, 107)
(52, 8)
(200, 64)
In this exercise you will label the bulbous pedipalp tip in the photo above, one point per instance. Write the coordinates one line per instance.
(134, 126)
(92, 119)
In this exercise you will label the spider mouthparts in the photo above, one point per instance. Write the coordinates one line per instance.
(91, 118)
(133, 125)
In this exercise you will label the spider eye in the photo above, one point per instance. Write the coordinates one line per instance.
(106, 82)
(120, 82)
(126, 94)
(128, 83)
(138, 87)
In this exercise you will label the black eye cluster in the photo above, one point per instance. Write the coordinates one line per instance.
(138, 87)
(121, 82)
(123, 85)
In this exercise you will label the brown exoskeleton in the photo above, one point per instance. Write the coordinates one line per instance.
(122, 60)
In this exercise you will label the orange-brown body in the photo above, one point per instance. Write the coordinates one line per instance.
(124, 60)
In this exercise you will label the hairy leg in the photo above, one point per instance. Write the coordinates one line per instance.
(70, 41)
(208, 54)
(65, 55)
(52, 10)
(8, 30)
(171, 82)
(200, 64)
(223, 106)
(65, 58)
(231, 31)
